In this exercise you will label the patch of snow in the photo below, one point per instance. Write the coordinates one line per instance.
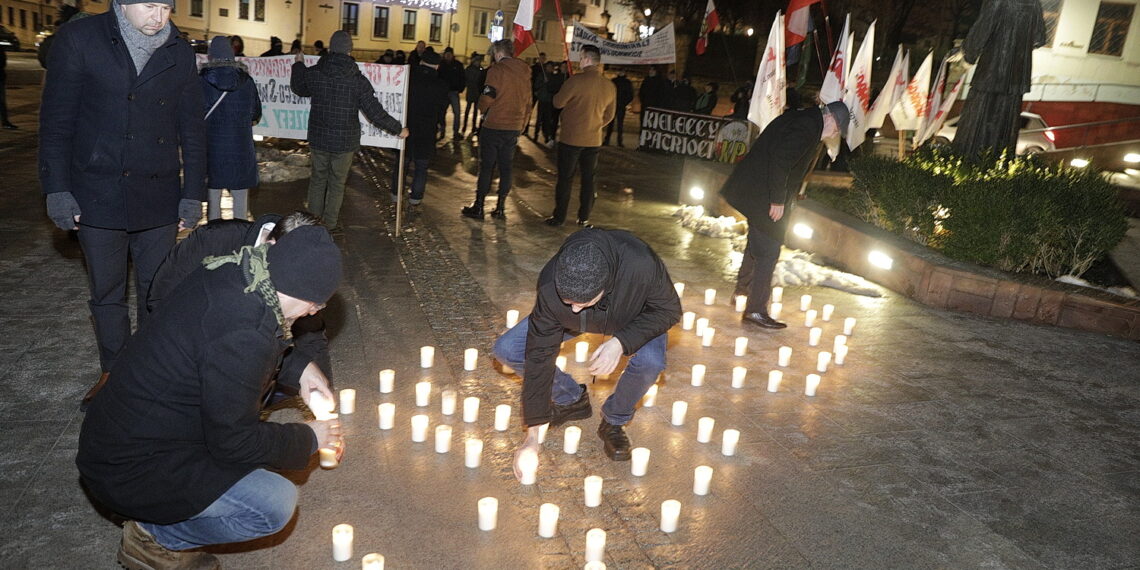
(694, 218)
(276, 165)
(1074, 280)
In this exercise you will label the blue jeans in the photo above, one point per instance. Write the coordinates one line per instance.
(258, 505)
(419, 177)
(496, 148)
(640, 373)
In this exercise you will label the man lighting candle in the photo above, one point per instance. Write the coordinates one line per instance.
(600, 281)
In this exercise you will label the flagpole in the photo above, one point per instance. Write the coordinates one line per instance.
(819, 55)
(565, 48)
(826, 26)
(728, 55)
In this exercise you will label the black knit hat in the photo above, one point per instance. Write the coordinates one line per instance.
(581, 273)
(429, 57)
(305, 264)
(220, 48)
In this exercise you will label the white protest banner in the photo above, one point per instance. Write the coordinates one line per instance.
(689, 134)
(660, 47)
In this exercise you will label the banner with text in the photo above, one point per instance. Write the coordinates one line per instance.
(286, 115)
(660, 47)
(702, 136)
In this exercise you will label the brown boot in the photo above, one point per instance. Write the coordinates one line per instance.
(139, 551)
(90, 395)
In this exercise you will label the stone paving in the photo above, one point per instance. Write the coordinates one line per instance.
(944, 441)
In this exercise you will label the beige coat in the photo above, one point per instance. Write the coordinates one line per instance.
(509, 109)
(588, 101)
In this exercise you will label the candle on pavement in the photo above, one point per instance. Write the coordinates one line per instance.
(740, 346)
(702, 324)
(640, 461)
(812, 384)
(809, 317)
(710, 296)
(650, 398)
(777, 294)
(707, 338)
(698, 375)
(814, 335)
(470, 358)
(595, 545)
(488, 513)
(470, 409)
(728, 441)
(427, 356)
(447, 400)
(419, 428)
(570, 438)
(680, 287)
(473, 453)
(774, 379)
(827, 311)
(593, 490)
(679, 409)
(687, 319)
(548, 520)
(774, 310)
(372, 561)
(740, 301)
(670, 515)
(512, 318)
(822, 361)
(347, 401)
(805, 302)
(785, 356)
(423, 393)
(502, 417)
(528, 466)
(387, 412)
(738, 374)
(342, 542)
(848, 326)
(442, 439)
(702, 477)
(704, 429)
(840, 354)
(387, 380)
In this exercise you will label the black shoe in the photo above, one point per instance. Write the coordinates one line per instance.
(762, 320)
(615, 440)
(499, 213)
(579, 410)
(553, 222)
(585, 223)
(474, 211)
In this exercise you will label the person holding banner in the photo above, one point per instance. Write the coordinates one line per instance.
(764, 186)
(427, 100)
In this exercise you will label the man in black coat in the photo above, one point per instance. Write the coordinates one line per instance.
(764, 187)
(653, 90)
(122, 152)
(427, 98)
(174, 443)
(600, 281)
(473, 77)
(624, 97)
(451, 72)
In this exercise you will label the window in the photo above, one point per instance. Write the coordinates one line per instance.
(350, 18)
(259, 10)
(482, 20)
(1111, 28)
(436, 29)
(380, 22)
(36, 21)
(11, 16)
(243, 9)
(1052, 10)
(409, 25)
(24, 19)
(539, 31)
(196, 8)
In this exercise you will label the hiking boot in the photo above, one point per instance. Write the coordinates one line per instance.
(579, 410)
(615, 440)
(139, 551)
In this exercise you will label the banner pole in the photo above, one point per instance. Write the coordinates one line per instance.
(902, 144)
(565, 48)
(400, 155)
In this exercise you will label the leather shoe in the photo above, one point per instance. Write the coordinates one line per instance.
(762, 320)
(499, 213)
(585, 223)
(615, 440)
(579, 410)
(553, 222)
(90, 395)
(475, 212)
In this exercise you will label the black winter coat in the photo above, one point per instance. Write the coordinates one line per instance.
(231, 157)
(624, 89)
(177, 423)
(427, 98)
(774, 169)
(639, 304)
(339, 91)
(128, 146)
(452, 75)
(474, 76)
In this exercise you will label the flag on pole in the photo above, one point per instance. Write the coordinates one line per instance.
(939, 117)
(908, 115)
(798, 21)
(524, 22)
(712, 20)
(835, 82)
(858, 98)
(892, 91)
(770, 93)
(933, 104)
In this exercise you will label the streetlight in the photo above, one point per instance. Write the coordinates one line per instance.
(749, 32)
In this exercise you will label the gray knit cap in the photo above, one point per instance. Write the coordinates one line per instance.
(581, 272)
(340, 42)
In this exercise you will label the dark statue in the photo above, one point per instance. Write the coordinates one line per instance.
(1001, 44)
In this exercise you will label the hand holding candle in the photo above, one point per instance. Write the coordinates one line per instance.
(606, 357)
(526, 457)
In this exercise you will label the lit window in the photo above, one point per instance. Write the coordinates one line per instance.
(350, 17)
(436, 29)
(409, 25)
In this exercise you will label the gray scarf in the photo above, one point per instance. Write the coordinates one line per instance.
(140, 45)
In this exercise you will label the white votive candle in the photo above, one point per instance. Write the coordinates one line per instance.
(710, 296)
(387, 412)
(321, 406)
(528, 466)
(702, 476)
(542, 429)
(687, 319)
(740, 346)
(650, 398)
(419, 428)
(812, 384)
(805, 302)
(728, 441)
(595, 545)
(473, 453)
(702, 324)
(639, 461)
(342, 542)
(680, 288)
(679, 409)
(423, 393)
(738, 374)
(785, 356)
(442, 439)
(502, 417)
(840, 340)
(470, 409)
(814, 335)
(698, 375)
(596, 565)
(488, 513)
(581, 351)
(809, 317)
(470, 358)
(347, 401)
(570, 438)
(822, 361)
(387, 381)
(840, 354)
(707, 338)
(774, 378)
(512, 318)
(327, 458)
(560, 362)
(427, 356)
(372, 561)
(593, 490)
(777, 294)
(739, 302)
(774, 310)
(704, 429)
(827, 311)
(848, 326)
(548, 520)
(447, 401)
(670, 515)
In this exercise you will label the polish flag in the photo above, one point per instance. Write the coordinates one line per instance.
(712, 21)
(858, 98)
(835, 82)
(892, 91)
(910, 113)
(524, 22)
(770, 93)
(797, 20)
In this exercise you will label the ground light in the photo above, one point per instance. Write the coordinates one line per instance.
(697, 193)
(1132, 157)
(880, 259)
(803, 231)
(1078, 163)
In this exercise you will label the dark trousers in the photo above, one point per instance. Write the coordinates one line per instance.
(108, 253)
(496, 148)
(755, 276)
(619, 122)
(570, 159)
(3, 101)
(453, 103)
(419, 178)
(472, 111)
(547, 119)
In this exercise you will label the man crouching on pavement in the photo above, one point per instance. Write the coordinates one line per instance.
(601, 281)
(173, 441)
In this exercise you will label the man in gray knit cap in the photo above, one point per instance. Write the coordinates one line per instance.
(122, 152)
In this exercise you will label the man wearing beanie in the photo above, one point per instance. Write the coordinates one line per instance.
(173, 443)
(122, 154)
(338, 92)
(602, 281)
(427, 98)
(763, 188)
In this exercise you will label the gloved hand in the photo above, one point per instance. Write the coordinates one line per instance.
(63, 210)
(190, 211)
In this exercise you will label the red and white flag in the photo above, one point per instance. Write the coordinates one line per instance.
(835, 82)
(799, 14)
(933, 104)
(770, 93)
(524, 22)
(910, 113)
(939, 116)
(711, 22)
(858, 99)
(892, 91)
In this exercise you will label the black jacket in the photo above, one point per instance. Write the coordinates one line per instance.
(452, 74)
(339, 91)
(427, 98)
(177, 423)
(639, 304)
(653, 92)
(624, 91)
(473, 77)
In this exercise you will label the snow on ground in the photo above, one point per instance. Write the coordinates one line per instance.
(276, 165)
(1073, 280)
